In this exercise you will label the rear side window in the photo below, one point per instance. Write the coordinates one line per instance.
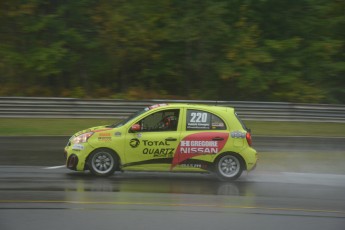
(242, 123)
(201, 120)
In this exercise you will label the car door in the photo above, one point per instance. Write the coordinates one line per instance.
(204, 136)
(154, 145)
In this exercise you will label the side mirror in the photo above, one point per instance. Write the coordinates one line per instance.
(136, 128)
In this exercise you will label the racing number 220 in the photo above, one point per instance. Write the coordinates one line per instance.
(198, 117)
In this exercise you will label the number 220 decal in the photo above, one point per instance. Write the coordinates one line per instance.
(198, 117)
(198, 120)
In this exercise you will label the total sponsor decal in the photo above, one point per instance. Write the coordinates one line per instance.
(134, 142)
(156, 148)
(164, 152)
(199, 144)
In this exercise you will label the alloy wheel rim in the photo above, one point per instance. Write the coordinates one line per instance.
(229, 166)
(102, 162)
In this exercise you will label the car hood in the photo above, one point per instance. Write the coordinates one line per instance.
(94, 129)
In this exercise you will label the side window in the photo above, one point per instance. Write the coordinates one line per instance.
(201, 120)
(166, 120)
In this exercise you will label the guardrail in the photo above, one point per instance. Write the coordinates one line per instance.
(36, 107)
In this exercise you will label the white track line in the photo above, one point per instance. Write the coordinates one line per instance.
(55, 167)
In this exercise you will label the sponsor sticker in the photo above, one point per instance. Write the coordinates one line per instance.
(199, 144)
(157, 148)
(218, 125)
(134, 142)
(105, 139)
(163, 152)
(198, 147)
(238, 134)
(104, 134)
(191, 166)
(157, 106)
(78, 147)
(118, 134)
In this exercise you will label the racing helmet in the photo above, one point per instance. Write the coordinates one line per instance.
(170, 122)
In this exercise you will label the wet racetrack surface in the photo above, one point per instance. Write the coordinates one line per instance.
(279, 194)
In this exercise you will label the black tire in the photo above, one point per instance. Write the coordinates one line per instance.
(229, 167)
(102, 162)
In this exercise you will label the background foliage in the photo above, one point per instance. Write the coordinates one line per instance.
(272, 50)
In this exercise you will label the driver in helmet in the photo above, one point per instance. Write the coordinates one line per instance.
(170, 122)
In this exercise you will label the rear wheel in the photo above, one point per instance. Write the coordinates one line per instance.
(229, 167)
(102, 162)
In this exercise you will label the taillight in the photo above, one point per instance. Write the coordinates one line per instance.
(249, 138)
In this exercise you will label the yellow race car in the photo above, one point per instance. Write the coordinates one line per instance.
(167, 137)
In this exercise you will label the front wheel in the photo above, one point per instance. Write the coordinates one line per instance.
(102, 162)
(229, 167)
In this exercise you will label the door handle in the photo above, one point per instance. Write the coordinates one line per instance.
(218, 139)
(171, 139)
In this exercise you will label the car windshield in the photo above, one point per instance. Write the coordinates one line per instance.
(131, 117)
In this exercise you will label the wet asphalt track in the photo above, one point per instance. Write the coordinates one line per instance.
(304, 189)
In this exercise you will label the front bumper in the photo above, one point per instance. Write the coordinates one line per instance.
(76, 156)
(72, 162)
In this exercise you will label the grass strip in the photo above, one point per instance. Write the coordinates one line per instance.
(47, 126)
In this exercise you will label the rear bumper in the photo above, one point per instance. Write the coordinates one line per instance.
(253, 168)
(251, 158)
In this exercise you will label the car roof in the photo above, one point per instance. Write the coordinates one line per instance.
(192, 106)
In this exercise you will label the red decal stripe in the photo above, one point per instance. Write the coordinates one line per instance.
(199, 144)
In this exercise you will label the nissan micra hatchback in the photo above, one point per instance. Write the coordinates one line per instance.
(167, 137)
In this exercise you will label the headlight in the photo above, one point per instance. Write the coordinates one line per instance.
(82, 138)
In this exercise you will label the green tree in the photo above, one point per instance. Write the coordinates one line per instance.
(286, 50)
